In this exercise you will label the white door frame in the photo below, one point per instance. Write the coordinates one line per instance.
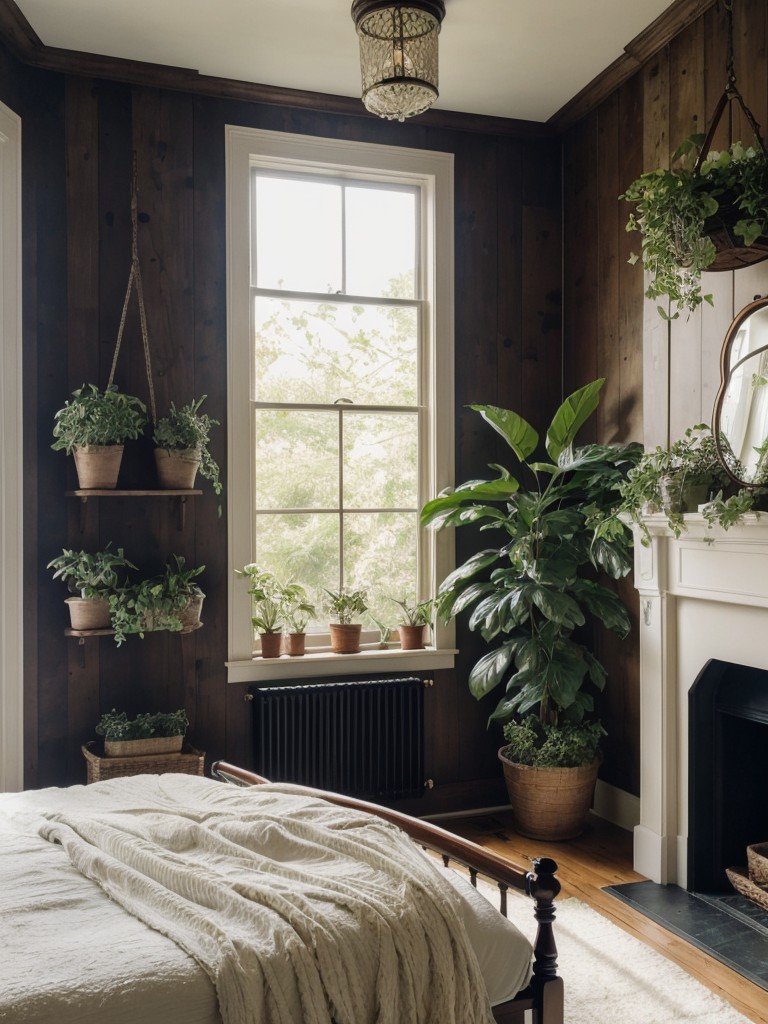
(11, 482)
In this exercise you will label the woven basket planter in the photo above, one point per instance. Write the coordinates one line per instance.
(549, 803)
(143, 748)
(188, 762)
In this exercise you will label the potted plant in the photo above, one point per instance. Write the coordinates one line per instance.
(675, 480)
(531, 591)
(681, 211)
(169, 601)
(344, 606)
(297, 612)
(415, 616)
(90, 578)
(158, 733)
(93, 426)
(182, 439)
(267, 609)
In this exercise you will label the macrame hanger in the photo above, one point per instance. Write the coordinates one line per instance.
(134, 280)
(730, 93)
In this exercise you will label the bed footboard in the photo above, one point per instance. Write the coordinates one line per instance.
(544, 995)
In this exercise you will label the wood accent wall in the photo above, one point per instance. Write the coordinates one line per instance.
(661, 377)
(79, 136)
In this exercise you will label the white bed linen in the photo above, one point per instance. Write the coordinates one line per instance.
(73, 955)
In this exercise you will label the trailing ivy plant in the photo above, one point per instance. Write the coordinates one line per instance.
(185, 429)
(673, 205)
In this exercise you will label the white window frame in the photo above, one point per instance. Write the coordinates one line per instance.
(433, 173)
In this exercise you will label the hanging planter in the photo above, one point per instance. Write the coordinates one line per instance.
(709, 215)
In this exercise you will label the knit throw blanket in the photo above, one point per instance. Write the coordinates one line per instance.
(301, 912)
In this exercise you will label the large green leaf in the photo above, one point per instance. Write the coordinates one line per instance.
(564, 675)
(464, 598)
(557, 607)
(571, 415)
(490, 669)
(469, 568)
(519, 435)
(604, 605)
(474, 491)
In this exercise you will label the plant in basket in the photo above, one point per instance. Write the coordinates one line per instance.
(155, 733)
(171, 601)
(531, 590)
(182, 438)
(93, 426)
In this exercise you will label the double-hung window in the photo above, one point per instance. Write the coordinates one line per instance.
(340, 377)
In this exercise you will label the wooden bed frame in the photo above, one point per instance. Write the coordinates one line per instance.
(543, 998)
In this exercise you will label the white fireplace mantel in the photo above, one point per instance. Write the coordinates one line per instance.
(703, 595)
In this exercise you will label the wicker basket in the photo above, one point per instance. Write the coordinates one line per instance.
(145, 747)
(757, 863)
(188, 762)
(744, 885)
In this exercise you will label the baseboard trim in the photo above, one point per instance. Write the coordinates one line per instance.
(616, 805)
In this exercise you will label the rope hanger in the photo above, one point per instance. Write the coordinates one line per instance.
(730, 93)
(134, 280)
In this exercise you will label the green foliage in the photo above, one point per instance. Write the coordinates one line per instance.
(115, 725)
(94, 417)
(187, 428)
(266, 598)
(154, 604)
(416, 613)
(672, 207)
(345, 605)
(535, 585)
(662, 477)
(552, 746)
(90, 574)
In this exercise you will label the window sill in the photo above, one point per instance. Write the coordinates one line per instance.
(315, 666)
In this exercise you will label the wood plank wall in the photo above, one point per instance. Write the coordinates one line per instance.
(661, 378)
(79, 136)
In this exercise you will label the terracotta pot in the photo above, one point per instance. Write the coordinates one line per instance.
(295, 644)
(411, 637)
(88, 612)
(190, 615)
(345, 638)
(177, 468)
(549, 803)
(98, 466)
(270, 644)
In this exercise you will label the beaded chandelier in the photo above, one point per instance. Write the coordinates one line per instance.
(398, 55)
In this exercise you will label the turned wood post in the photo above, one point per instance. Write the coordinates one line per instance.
(544, 887)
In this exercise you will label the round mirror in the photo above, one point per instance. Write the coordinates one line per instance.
(740, 421)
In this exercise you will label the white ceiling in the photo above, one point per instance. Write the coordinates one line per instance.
(509, 58)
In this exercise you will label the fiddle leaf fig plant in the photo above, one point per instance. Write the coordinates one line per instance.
(552, 532)
(672, 207)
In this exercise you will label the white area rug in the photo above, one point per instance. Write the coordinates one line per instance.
(611, 977)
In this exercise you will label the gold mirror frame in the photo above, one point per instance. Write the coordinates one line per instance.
(740, 417)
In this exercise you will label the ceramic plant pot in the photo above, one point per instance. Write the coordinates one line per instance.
(88, 612)
(98, 466)
(177, 468)
(270, 644)
(345, 638)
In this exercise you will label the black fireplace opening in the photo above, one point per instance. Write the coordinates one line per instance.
(727, 771)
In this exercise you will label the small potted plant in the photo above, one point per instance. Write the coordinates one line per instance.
(93, 426)
(182, 439)
(90, 578)
(344, 606)
(267, 610)
(169, 601)
(416, 615)
(297, 612)
(158, 733)
(675, 480)
(682, 213)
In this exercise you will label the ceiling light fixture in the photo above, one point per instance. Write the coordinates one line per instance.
(398, 55)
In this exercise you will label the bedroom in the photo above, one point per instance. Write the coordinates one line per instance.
(573, 310)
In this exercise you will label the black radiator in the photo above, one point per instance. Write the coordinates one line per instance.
(362, 738)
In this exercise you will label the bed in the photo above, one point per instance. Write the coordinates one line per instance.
(173, 898)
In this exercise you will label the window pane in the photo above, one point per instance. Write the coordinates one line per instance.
(297, 459)
(312, 352)
(298, 234)
(380, 460)
(381, 242)
(370, 542)
(301, 549)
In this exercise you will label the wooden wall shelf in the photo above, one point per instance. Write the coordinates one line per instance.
(180, 496)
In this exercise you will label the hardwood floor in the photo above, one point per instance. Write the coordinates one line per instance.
(600, 857)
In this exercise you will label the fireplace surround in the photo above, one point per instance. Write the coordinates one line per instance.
(703, 645)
